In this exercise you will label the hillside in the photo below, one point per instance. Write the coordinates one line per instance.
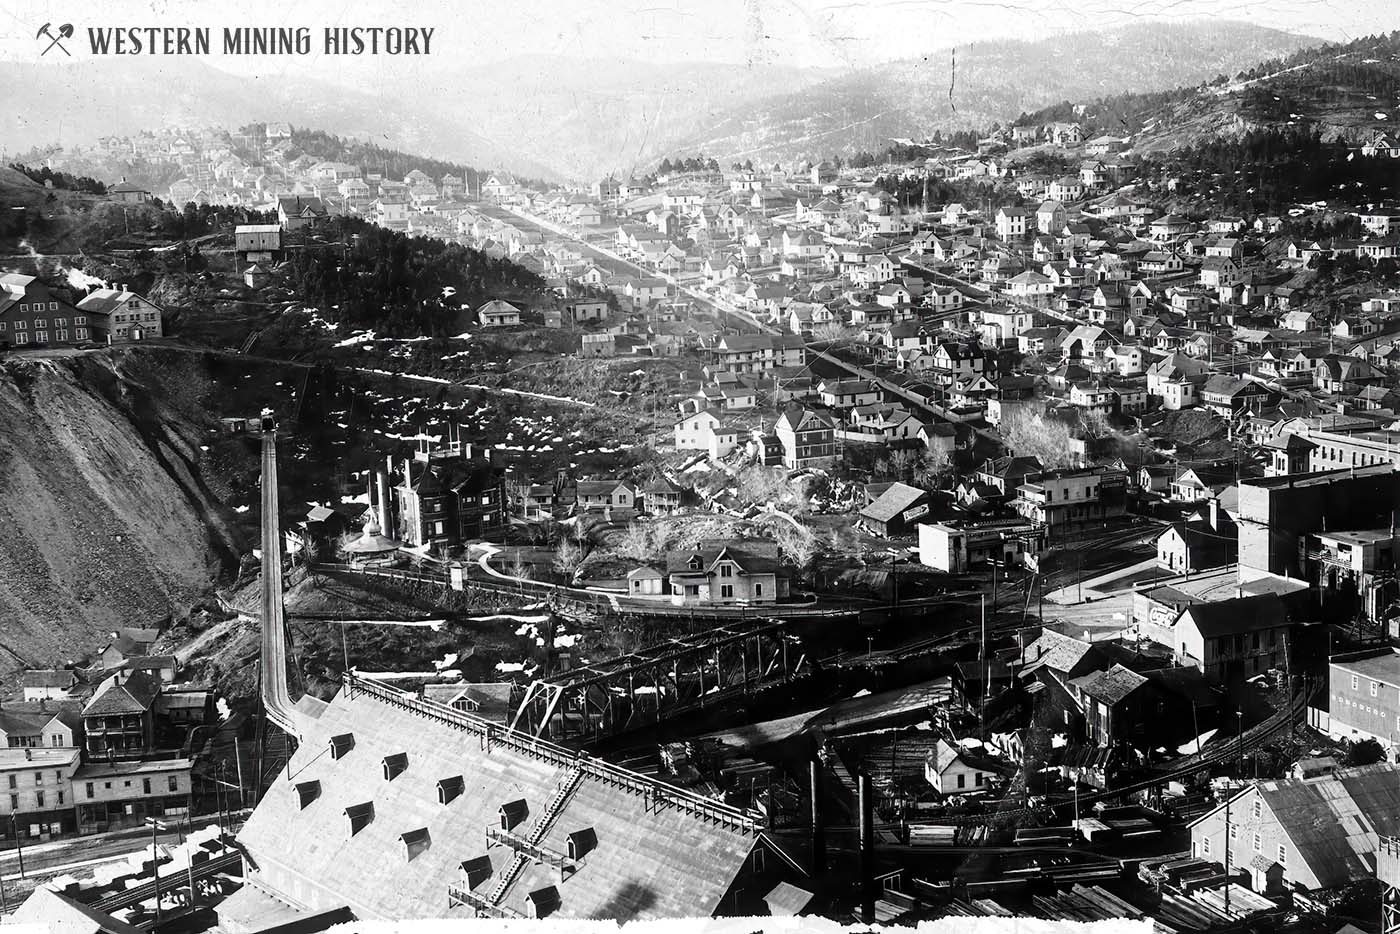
(992, 82)
(86, 100)
(110, 503)
(1347, 91)
(586, 117)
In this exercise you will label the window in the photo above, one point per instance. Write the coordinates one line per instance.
(1258, 843)
(962, 781)
(80, 334)
(60, 796)
(53, 306)
(38, 799)
(2, 325)
(14, 803)
(80, 320)
(758, 590)
(726, 570)
(1374, 688)
(1205, 846)
(60, 322)
(38, 778)
(21, 325)
(172, 783)
(23, 309)
(41, 337)
(1282, 855)
(1258, 811)
(1355, 682)
(41, 322)
(61, 335)
(145, 786)
(1234, 833)
(13, 782)
(726, 591)
(88, 788)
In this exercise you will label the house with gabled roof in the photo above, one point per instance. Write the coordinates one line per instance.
(727, 573)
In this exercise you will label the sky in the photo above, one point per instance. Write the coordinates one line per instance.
(827, 33)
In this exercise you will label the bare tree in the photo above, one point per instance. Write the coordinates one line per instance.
(1049, 440)
(568, 560)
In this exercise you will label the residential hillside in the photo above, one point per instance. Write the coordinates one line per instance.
(984, 84)
(110, 505)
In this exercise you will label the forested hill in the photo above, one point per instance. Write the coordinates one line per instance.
(400, 286)
(1345, 90)
(394, 163)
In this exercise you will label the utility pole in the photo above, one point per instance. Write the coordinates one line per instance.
(1228, 796)
(19, 846)
(156, 826)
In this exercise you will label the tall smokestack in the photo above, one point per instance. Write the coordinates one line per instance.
(814, 771)
(867, 849)
(381, 484)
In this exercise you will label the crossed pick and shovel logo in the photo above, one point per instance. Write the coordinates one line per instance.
(64, 32)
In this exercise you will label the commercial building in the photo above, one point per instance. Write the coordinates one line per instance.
(1363, 699)
(400, 809)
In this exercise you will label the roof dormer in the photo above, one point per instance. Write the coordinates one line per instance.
(513, 813)
(341, 744)
(394, 765)
(307, 792)
(359, 816)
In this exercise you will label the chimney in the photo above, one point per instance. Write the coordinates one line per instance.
(814, 767)
(1215, 513)
(867, 848)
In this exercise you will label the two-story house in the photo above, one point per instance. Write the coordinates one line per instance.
(1230, 640)
(808, 438)
(726, 573)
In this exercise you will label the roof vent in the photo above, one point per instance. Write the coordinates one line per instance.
(513, 812)
(342, 744)
(582, 842)
(307, 792)
(394, 765)
(415, 842)
(450, 788)
(360, 816)
(476, 871)
(543, 902)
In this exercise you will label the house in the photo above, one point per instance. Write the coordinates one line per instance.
(1228, 395)
(1320, 833)
(705, 431)
(808, 438)
(442, 497)
(31, 314)
(1230, 640)
(119, 718)
(847, 393)
(951, 770)
(43, 723)
(1177, 379)
(726, 573)
(47, 683)
(127, 193)
(125, 644)
(895, 511)
(1205, 539)
(661, 496)
(498, 314)
(299, 211)
(1363, 698)
(601, 495)
(117, 316)
(1011, 223)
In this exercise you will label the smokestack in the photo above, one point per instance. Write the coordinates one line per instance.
(814, 767)
(866, 806)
